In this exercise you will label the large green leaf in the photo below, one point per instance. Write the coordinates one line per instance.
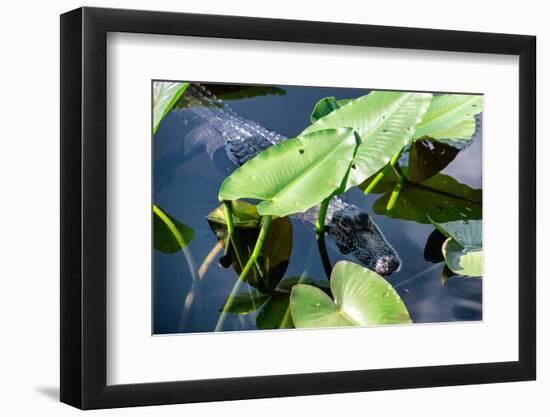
(451, 116)
(165, 95)
(441, 198)
(463, 249)
(361, 298)
(295, 175)
(276, 250)
(170, 235)
(384, 120)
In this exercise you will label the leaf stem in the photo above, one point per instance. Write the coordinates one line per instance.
(320, 224)
(327, 266)
(383, 172)
(230, 226)
(320, 233)
(394, 195)
(255, 253)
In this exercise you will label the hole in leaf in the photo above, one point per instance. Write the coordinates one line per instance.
(301, 151)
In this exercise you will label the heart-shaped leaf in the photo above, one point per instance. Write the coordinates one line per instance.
(361, 298)
(385, 121)
(295, 175)
(165, 95)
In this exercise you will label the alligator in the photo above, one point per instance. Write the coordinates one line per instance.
(218, 127)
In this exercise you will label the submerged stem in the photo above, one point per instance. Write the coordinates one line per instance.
(320, 233)
(394, 195)
(255, 253)
(327, 266)
(209, 258)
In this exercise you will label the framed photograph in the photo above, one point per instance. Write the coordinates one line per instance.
(258, 208)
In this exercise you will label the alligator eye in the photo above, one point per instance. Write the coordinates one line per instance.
(346, 223)
(365, 219)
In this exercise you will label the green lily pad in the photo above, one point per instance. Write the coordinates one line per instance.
(463, 250)
(165, 95)
(451, 117)
(361, 298)
(467, 233)
(169, 234)
(295, 175)
(385, 121)
(461, 260)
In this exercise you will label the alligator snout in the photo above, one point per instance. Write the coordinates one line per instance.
(386, 265)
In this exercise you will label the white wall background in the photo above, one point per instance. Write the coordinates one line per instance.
(29, 220)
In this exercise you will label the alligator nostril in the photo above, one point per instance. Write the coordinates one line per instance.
(386, 265)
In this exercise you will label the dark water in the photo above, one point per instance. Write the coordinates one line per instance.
(186, 185)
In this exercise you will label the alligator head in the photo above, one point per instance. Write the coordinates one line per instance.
(354, 232)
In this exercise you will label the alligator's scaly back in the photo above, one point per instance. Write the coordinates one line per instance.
(219, 126)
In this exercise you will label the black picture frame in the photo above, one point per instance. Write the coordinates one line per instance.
(84, 207)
